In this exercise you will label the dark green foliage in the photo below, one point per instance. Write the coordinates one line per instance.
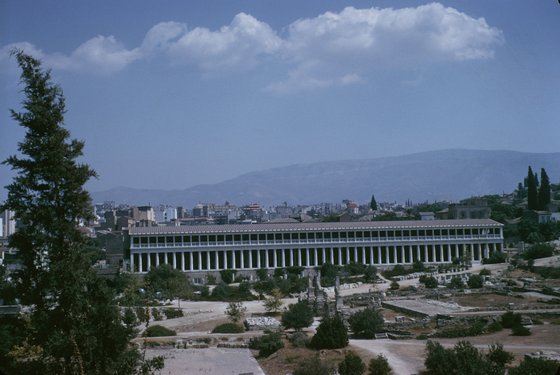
(228, 276)
(328, 274)
(535, 366)
(373, 203)
(224, 292)
(519, 330)
(167, 282)
(456, 283)
(143, 314)
(354, 268)
(379, 366)
(158, 331)
(228, 328)
(366, 323)
(351, 365)
(494, 258)
(548, 272)
(532, 194)
(235, 311)
(267, 344)
(539, 250)
(156, 313)
(475, 281)
(129, 318)
(475, 328)
(465, 359)
(173, 313)
(298, 316)
(262, 274)
(428, 281)
(299, 339)
(331, 334)
(7, 287)
(397, 270)
(544, 191)
(370, 273)
(313, 366)
(485, 272)
(494, 327)
(394, 285)
(510, 319)
(498, 355)
(75, 322)
(418, 266)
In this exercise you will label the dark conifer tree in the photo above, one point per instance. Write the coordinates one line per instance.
(544, 191)
(74, 326)
(532, 196)
(373, 203)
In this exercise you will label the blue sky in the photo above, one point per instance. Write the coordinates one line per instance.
(170, 94)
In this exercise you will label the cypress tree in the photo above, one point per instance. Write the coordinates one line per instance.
(532, 196)
(373, 203)
(544, 191)
(74, 326)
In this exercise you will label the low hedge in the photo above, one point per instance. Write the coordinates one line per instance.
(159, 331)
(228, 328)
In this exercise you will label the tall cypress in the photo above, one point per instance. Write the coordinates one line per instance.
(373, 203)
(544, 191)
(532, 196)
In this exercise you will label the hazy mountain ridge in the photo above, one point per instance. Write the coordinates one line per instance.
(434, 175)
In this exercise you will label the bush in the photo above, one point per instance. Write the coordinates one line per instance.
(298, 316)
(299, 339)
(331, 334)
(535, 366)
(313, 366)
(475, 281)
(158, 331)
(228, 276)
(395, 285)
(351, 365)
(494, 258)
(173, 313)
(539, 250)
(456, 283)
(428, 281)
(228, 328)
(519, 330)
(510, 319)
(267, 344)
(366, 323)
(379, 366)
(485, 272)
(156, 314)
(494, 327)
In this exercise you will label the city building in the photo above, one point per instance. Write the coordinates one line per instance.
(203, 249)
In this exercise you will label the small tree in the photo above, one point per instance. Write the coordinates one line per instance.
(429, 281)
(235, 311)
(366, 323)
(475, 281)
(298, 316)
(313, 366)
(379, 366)
(456, 283)
(331, 334)
(273, 303)
(373, 203)
(394, 285)
(351, 365)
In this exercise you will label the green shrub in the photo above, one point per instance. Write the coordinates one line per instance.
(485, 272)
(495, 257)
(298, 316)
(331, 334)
(156, 314)
(267, 344)
(142, 313)
(510, 319)
(313, 366)
(475, 281)
(351, 365)
(519, 330)
(535, 366)
(366, 323)
(173, 313)
(299, 339)
(158, 331)
(379, 366)
(228, 328)
(494, 327)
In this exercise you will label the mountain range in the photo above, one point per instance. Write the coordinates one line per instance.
(427, 176)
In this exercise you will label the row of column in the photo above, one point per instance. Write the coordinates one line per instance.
(215, 260)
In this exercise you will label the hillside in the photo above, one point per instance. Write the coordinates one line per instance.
(434, 175)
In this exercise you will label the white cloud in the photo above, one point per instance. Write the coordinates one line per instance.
(236, 46)
(334, 48)
(358, 42)
(97, 55)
